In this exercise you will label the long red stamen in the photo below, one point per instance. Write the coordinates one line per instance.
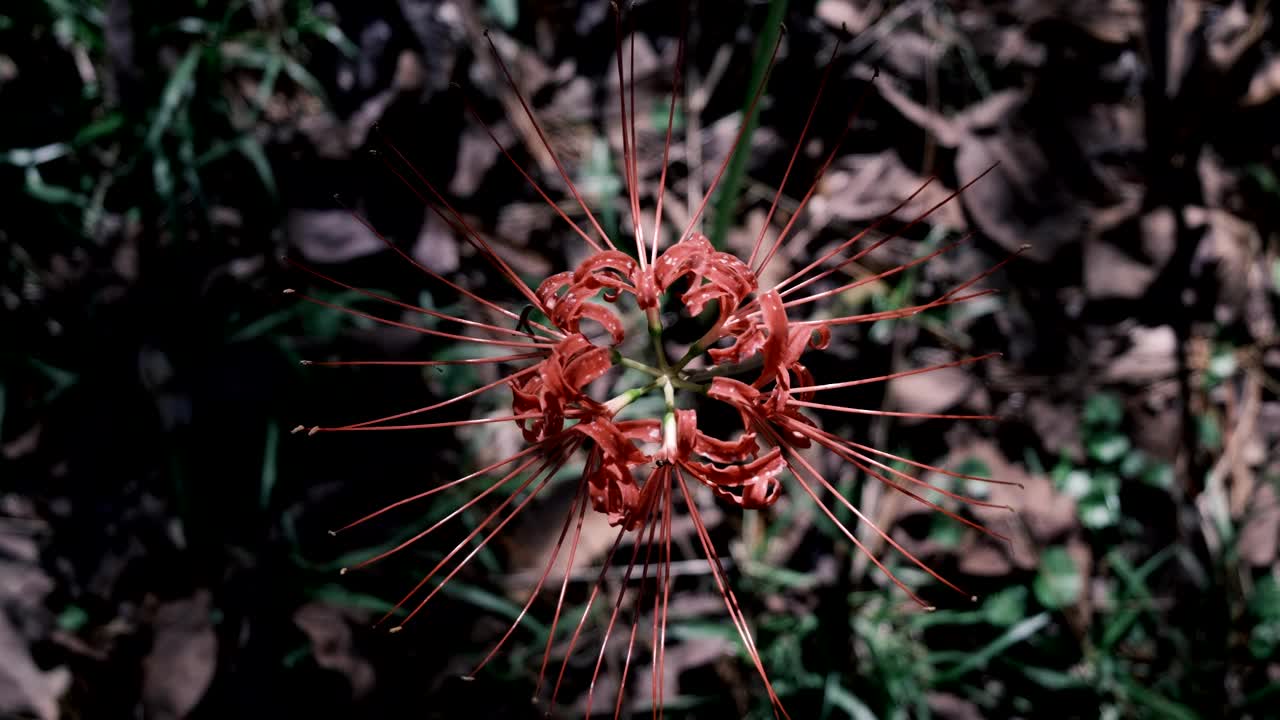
(813, 185)
(635, 616)
(931, 468)
(628, 135)
(579, 499)
(423, 363)
(416, 328)
(881, 220)
(428, 426)
(564, 586)
(442, 521)
(408, 306)
(737, 140)
(798, 458)
(453, 483)
(470, 233)
(577, 631)
(418, 411)
(666, 598)
(617, 607)
(437, 276)
(813, 109)
(895, 314)
(878, 276)
(573, 189)
(549, 467)
(726, 593)
(529, 179)
(863, 462)
(666, 144)
(888, 413)
(892, 376)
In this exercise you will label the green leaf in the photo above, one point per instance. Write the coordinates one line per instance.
(252, 151)
(1051, 679)
(1264, 639)
(1099, 509)
(51, 194)
(1209, 432)
(977, 660)
(1108, 448)
(338, 595)
(175, 91)
(485, 600)
(1134, 463)
(946, 532)
(1265, 600)
(726, 202)
(1058, 583)
(1159, 475)
(504, 12)
(1076, 483)
(99, 128)
(835, 696)
(1103, 410)
(1222, 365)
(1006, 607)
(72, 619)
(31, 157)
(1161, 705)
(270, 452)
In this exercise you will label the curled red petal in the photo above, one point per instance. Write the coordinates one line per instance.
(712, 275)
(775, 345)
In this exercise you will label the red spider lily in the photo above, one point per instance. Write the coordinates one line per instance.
(633, 470)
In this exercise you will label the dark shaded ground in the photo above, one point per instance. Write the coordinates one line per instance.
(163, 544)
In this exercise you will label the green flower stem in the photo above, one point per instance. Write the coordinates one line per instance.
(626, 362)
(722, 370)
(655, 334)
(669, 439)
(623, 399)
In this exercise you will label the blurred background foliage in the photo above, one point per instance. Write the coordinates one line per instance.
(163, 544)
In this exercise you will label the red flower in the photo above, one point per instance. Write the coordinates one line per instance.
(632, 470)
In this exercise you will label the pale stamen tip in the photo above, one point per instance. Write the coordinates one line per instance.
(343, 571)
(396, 629)
(467, 678)
(305, 363)
(313, 431)
(298, 429)
(333, 533)
(930, 608)
(973, 598)
(288, 291)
